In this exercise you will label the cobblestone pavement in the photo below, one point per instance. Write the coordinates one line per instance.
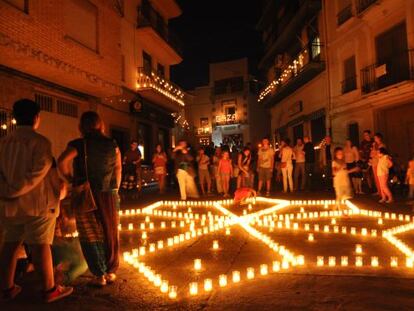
(299, 289)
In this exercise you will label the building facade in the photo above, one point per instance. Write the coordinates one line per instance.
(340, 67)
(111, 56)
(225, 111)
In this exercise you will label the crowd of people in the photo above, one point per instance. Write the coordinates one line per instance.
(62, 243)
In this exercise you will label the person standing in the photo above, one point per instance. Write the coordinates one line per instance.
(203, 161)
(383, 167)
(265, 159)
(309, 149)
(25, 215)
(159, 161)
(409, 179)
(243, 161)
(326, 156)
(365, 155)
(185, 171)
(286, 157)
(95, 159)
(341, 182)
(225, 169)
(132, 167)
(215, 172)
(351, 156)
(378, 143)
(299, 154)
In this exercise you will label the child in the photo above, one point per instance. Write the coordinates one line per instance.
(409, 179)
(225, 169)
(341, 182)
(383, 167)
(242, 194)
(203, 171)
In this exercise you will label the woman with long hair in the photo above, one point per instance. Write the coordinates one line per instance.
(378, 143)
(383, 167)
(159, 160)
(243, 162)
(96, 161)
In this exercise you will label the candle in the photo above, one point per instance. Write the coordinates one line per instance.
(215, 244)
(227, 231)
(144, 235)
(326, 228)
(276, 266)
(332, 261)
(151, 225)
(222, 280)
(157, 280)
(394, 261)
(319, 261)
(344, 261)
(193, 288)
(142, 226)
(208, 285)
(164, 286)
(250, 273)
(409, 262)
(374, 261)
(358, 261)
(152, 247)
(300, 260)
(236, 276)
(353, 230)
(172, 292)
(197, 264)
(358, 248)
(333, 221)
(263, 269)
(142, 250)
(311, 237)
(364, 231)
(130, 227)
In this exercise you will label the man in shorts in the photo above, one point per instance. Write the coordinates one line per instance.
(25, 160)
(265, 163)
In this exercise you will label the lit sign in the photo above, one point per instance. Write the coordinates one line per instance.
(226, 118)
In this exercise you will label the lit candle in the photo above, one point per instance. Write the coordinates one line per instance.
(380, 221)
(364, 231)
(157, 280)
(197, 264)
(394, 261)
(250, 273)
(343, 230)
(151, 225)
(193, 288)
(358, 261)
(374, 261)
(353, 230)
(316, 227)
(326, 228)
(310, 237)
(264, 269)
(222, 280)
(142, 250)
(215, 244)
(208, 285)
(236, 276)
(344, 261)
(307, 228)
(130, 227)
(358, 248)
(152, 247)
(227, 231)
(332, 261)
(333, 221)
(142, 226)
(144, 235)
(276, 266)
(164, 286)
(172, 292)
(409, 262)
(319, 261)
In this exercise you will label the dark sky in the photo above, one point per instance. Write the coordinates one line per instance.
(211, 31)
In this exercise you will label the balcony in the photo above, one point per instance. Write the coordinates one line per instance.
(349, 84)
(394, 70)
(362, 5)
(305, 66)
(153, 29)
(159, 90)
(344, 15)
(288, 27)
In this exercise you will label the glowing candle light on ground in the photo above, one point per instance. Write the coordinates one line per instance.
(228, 231)
(208, 285)
(223, 280)
(374, 261)
(144, 235)
(236, 276)
(409, 262)
(319, 261)
(164, 286)
(358, 248)
(344, 261)
(250, 273)
(276, 266)
(358, 261)
(332, 261)
(311, 237)
(215, 245)
(394, 261)
(197, 264)
(264, 269)
(172, 292)
(193, 288)
(130, 227)
(300, 260)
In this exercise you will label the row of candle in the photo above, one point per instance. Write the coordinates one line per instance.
(374, 260)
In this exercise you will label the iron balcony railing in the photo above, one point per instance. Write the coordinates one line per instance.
(349, 84)
(395, 69)
(149, 17)
(362, 5)
(345, 14)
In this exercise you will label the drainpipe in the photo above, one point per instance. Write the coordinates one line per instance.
(328, 72)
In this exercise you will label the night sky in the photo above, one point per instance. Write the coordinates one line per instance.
(213, 31)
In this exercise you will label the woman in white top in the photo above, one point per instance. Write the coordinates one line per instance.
(383, 167)
(286, 156)
(351, 157)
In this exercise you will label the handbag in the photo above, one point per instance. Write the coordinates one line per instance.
(82, 200)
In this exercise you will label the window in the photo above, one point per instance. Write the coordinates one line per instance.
(203, 122)
(349, 82)
(147, 63)
(66, 108)
(344, 11)
(81, 22)
(231, 85)
(44, 101)
(318, 129)
(230, 110)
(160, 70)
(353, 133)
